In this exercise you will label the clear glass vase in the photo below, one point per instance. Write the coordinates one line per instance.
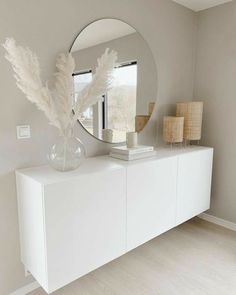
(67, 153)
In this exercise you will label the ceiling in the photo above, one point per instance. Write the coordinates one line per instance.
(198, 5)
(101, 31)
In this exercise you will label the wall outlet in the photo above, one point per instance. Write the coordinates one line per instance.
(23, 132)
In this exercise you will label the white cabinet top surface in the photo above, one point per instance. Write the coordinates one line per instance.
(47, 175)
(167, 152)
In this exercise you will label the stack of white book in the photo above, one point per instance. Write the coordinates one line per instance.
(130, 154)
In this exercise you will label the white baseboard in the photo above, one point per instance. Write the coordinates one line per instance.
(219, 221)
(26, 289)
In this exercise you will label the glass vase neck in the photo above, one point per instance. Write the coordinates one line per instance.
(69, 132)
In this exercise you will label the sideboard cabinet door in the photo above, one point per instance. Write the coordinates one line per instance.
(71, 223)
(194, 184)
(151, 199)
(85, 222)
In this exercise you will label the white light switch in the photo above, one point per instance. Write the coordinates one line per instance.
(23, 131)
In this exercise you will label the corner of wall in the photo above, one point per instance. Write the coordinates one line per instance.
(195, 55)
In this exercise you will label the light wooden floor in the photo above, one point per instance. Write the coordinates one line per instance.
(195, 258)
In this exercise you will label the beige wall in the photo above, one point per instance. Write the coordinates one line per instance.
(48, 27)
(216, 85)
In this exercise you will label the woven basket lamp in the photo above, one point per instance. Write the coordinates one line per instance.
(173, 129)
(192, 113)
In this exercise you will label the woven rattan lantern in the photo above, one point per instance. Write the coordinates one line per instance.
(140, 122)
(173, 129)
(192, 113)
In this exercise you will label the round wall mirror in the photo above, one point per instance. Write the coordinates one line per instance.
(128, 105)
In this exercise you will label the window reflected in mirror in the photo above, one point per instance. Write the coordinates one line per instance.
(119, 117)
(82, 79)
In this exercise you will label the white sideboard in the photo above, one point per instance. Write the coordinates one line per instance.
(72, 223)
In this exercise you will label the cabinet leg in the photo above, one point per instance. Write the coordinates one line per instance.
(27, 273)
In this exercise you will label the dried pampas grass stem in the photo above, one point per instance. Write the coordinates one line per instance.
(27, 74)
(102, 81)
(57, 103)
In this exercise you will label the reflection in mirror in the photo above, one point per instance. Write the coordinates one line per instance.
(128, 105)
